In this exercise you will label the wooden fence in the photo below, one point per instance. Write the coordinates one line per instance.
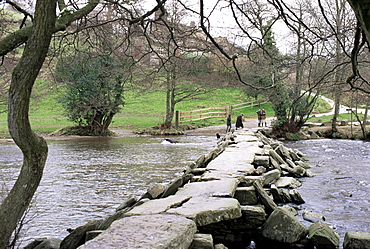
(221, 112)
(194, 115)
(248, 104)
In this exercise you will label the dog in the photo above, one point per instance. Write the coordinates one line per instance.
(168, 141)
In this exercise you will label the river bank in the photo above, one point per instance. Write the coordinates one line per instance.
(84, 170)
(236, 173)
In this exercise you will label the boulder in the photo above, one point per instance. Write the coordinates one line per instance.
(209, 157)
(301, 155)
(260, 170)
(299, 171)
(131, 200)
(93, 234)
(172, 188)
(44, 243)
(261, 161)
(202, 241)
(294, 155)
(154, 192)
(176, 184)
(312, 216)
(116, 216)
(296, 196)
(284, 194)
(275, 164)
(276, 157)
(290, 163)
(323, 236)
(356, 240)
(312, 134)
(249, 180)
(309, 173)
(269, 204)
(199, 163)
(246, 195)
(220, 246)
(283, 152)
(157, 231)
(34, 243)
(302, 164)
(291, 209)
(287, 182)
(198, 171)
(254, 216)
(275, 194)
(271, 176)
(77, 236)
(282, 226)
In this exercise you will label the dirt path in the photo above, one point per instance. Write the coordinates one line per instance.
(221, 129)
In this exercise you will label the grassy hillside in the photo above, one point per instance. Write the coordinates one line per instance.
(140, 110)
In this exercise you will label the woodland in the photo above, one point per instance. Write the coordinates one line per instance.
(291, 51)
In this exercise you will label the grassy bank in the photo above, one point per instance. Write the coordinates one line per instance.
(140, 110)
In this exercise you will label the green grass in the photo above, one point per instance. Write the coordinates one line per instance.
(149, 109)
(341, 117)
(321, 106)
(140, 110)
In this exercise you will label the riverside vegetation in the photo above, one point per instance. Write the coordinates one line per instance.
(141, 110)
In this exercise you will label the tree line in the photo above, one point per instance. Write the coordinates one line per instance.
(175, 44)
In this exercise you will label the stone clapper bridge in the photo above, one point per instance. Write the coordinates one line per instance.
(218, 201)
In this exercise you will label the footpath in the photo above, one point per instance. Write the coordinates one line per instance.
(235, 196)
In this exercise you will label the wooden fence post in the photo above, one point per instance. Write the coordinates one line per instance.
(177, 119)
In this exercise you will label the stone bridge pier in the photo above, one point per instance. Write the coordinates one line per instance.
(233, 197)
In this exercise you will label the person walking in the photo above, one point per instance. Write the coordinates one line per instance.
(259, 117)
(228, 123)
(263, 117)
(239, 121)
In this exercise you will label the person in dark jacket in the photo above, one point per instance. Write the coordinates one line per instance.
(263, 117)
(228, 123)
(239, 121)
(259, 117)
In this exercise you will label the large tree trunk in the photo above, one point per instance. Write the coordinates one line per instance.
(33, 147)
(362, 9)
(170, 100)
(338, 74)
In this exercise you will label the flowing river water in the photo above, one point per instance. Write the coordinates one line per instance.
(86, 179)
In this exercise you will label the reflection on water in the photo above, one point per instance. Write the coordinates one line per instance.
(87, 179)
(341, 188)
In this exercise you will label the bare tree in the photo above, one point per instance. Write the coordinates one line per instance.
(45, 22)
(34, 148)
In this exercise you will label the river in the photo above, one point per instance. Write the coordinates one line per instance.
(86, 179)
(341, 188)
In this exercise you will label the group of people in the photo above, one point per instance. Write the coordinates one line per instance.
(261, 113)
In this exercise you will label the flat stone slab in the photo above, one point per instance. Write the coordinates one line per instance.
(287, 182)
(208, 210)
(218, 188)
(159, 205)
(164, 231)
(234, 162)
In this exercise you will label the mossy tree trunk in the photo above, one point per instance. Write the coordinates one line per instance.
(33, 147)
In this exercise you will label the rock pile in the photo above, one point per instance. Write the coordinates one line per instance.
(236, 196)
